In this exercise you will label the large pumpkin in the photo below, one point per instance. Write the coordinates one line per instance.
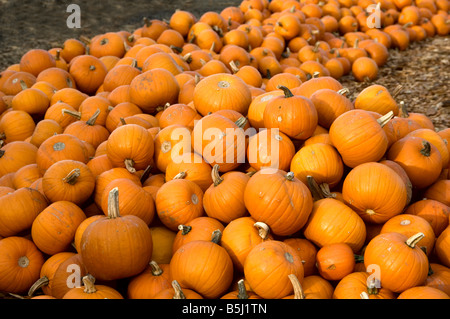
(116, 247)
(203, 266)
(268, 266)
(222, 91)
(278, 199)
(375, 192)
(359, 137)
(401, 263)
(154, 88)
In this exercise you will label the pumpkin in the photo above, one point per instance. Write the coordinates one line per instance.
(438, 277)
(200, 228)
(154, 88)
(16, 125)
(106, 177)
(268, 266)
(441, 247)
(240, 236)
(88, 72)
(19, 209)
(330, 219)
(89, 131)
(36, 60)
(134, 200)
(170, 144)
(180, 114)
(179, 201)
(307, 251)
(257, 107)
(320, 161)
(45, 129)
(409, 225)
(68, 180)
(419, 158)
(129, 231)
(224, 199)
(154, 279)
(376, 98)
(92, 291)
(207, 141)
(241, 292)
(293, 115)
(375, 192)
(21, 263)
(307, 88)
(359, 137)
(330, 104)
(31, 100)
(286, 211)
(60, 147)
(410, 262)
(54, 228)
(434, 138)
(440, 191)
(335, 261)
(163, 239)
(212, 281)
(230, 92)
(130, 146)
(47, 273)
(422, 292)
(120, 111)
(434, 212)
(26, 175)
(15, 155)
(82, 227)
(176, 292)
(353, 284)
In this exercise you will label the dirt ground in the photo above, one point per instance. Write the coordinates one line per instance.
(423, 70)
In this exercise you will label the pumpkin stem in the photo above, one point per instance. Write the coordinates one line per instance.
(180, 175)
(156, 270)
(359, 258)
(372, 287)
(234, 67)
(216, 176)
(325, 188)
(129, 164)
(287, 92)
(184, 229)
(178, 292)
(404, 109)
(414, 239)
(2, 152)
(241, 122)
(426, 150)
(122, 121)
(397, 91)
(343, 91)
(72, 177)
(263, 229)
(75, 114)
(364, 295)
(314, 188)
(290, 176)
(146, 173)
(41, 282)
(23, 85)
(113, 203)
(315, 75)
(93, 118)
(298, 290)
(216, 236)
(385, 118)
(242, 291)
(89, 286)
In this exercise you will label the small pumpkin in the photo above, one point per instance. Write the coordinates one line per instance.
(154, 279)
(92, 291)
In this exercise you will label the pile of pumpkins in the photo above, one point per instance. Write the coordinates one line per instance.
(113, 186)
